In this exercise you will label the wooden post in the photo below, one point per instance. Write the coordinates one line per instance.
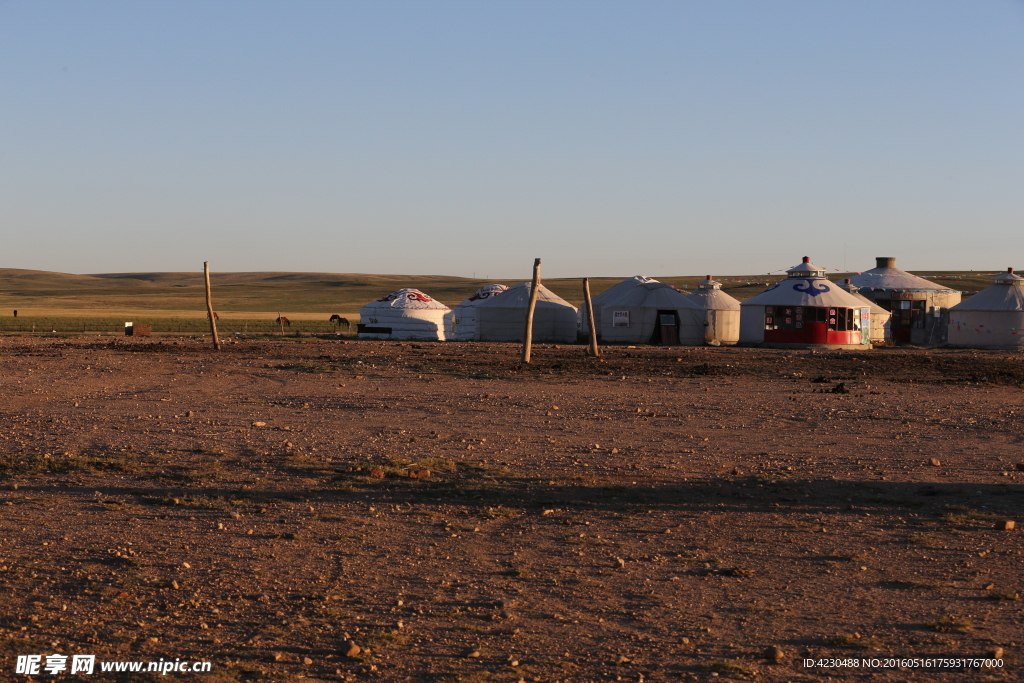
(528, 333)
(209, 306)
(280, 322)
(594, 351)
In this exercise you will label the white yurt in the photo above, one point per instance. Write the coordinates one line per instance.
(919, 307)
(722, 312)
(503, 317)
(603, 298)
(879, 316)
(461, 322)
(805, 310)
(992, 318)
(651, 313)
(405, 314)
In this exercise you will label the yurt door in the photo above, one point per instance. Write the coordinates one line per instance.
(669, 328)
(902, 321)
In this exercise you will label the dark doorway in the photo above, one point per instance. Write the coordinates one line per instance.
(906, 315)
(666, 329)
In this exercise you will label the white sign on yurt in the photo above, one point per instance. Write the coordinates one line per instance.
(620, 319)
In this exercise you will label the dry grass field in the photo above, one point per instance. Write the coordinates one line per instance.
(299, 296)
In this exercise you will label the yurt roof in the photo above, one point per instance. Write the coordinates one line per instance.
(887, 277)
(875, 308)
(1007, 294)
(852, 289)
(518, 296)
(651, 294)
(709, 295)
(1009, 277)
(806, 269)
(710, 283)
(409, 299)
(810, 290)
(624, 286)
(484, 293)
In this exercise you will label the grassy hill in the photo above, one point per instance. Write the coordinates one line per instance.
(310, 296)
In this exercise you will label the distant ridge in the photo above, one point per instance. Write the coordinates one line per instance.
(314, 293)
(274, 276)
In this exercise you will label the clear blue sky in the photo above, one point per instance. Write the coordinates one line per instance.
(608, 138)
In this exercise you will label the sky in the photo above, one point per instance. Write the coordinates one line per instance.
(467, 138)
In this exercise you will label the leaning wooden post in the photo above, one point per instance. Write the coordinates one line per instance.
(280, 322)
(594, 351)
(209, 306)
(528, 333)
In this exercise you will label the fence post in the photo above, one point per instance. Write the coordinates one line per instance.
(594, 351)
(528, 333)
(209, 306)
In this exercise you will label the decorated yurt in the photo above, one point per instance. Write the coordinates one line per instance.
(461, 322)
(992, 318)
(405, 314)
(651, 313)
(805, 310)
(879, 316)
(919, 307)
(722, 312)
(503, 317)
(603, 298)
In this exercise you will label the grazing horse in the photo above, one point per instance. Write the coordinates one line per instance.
(338, 320)
(281, 320)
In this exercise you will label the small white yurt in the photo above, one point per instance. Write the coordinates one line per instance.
(722, 311)
(805, 310)
(405, 314)
(603, 298)
(992, 318)
(503, 317)
(651, 313)
(461, 322)
(879, 316)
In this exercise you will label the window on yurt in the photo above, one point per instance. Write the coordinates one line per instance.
(789, 317)
(918, 307)
(838, 319)
(833, 319)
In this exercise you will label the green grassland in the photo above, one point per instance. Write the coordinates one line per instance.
(250, 301)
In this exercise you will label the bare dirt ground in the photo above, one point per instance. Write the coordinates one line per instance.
(660, 514)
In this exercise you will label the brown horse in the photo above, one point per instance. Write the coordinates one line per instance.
(339, 321)
(281, 320)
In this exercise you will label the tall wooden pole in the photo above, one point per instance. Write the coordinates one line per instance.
(528, 333)
(209, 306)
(594, 351)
